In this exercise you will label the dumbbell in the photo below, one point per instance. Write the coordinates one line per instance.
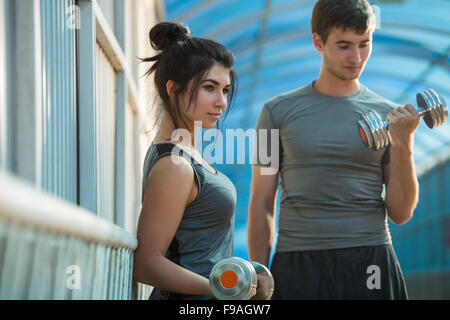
(373, 130)
(237, 279)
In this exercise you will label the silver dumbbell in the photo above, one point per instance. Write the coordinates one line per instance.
(237, 279)
(373, 130)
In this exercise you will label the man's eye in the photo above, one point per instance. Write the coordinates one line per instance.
(344, 47)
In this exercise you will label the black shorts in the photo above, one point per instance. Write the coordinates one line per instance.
(371, 272)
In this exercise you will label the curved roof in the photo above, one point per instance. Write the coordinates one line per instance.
(271, 40)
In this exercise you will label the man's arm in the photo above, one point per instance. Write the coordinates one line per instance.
(261, 216)
(402, 187)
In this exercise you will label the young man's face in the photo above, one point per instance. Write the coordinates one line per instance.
(345, 53)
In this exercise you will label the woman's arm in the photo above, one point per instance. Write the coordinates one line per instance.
(170, 188)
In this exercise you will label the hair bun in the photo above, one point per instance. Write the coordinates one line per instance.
(164, 34)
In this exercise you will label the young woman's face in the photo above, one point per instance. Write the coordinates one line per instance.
(211, 99)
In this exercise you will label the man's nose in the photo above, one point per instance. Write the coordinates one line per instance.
(356, 56)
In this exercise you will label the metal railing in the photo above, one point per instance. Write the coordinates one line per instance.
(52, 249)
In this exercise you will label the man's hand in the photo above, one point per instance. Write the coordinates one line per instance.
(402, 123)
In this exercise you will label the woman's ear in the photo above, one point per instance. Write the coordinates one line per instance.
(170, 88)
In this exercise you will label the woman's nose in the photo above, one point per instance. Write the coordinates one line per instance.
(221, 100)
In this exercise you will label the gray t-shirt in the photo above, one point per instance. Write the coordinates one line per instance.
(205, 234)
(331, 182)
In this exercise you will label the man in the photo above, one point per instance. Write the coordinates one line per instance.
(333, 238)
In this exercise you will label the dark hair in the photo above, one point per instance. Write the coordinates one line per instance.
(343, 14)
(182, 59)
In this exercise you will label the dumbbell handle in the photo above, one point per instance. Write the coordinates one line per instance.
(421, 111)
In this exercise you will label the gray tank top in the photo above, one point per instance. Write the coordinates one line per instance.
(205, 234)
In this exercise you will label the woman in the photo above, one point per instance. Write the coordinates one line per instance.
(187, 219)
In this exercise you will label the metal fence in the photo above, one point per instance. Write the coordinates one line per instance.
(51, 249)
(105, 104)
(71, 139)
(59, 102)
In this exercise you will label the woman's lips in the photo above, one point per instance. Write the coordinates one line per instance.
(214, 116)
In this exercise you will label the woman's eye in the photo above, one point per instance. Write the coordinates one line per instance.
(225, 91)
(209, 88)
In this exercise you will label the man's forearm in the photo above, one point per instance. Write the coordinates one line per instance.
(261, 230)
(403, 188)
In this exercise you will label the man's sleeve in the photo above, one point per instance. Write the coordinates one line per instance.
(266, 151)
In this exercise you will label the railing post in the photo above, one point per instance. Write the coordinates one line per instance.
(27, 89)
(86, 108)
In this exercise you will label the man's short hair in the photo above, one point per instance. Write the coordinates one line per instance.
(341, 14)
